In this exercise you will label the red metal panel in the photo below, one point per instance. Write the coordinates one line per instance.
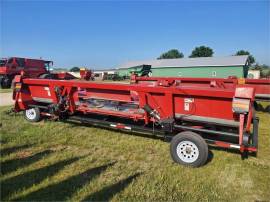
(207, 101)
(203, 106)
(261, 86)
(200, 100)
(244, 92)
(41, 91)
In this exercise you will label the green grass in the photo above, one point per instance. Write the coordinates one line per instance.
(59, 161)
(5, 90)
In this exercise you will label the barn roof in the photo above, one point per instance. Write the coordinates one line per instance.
(191, 62)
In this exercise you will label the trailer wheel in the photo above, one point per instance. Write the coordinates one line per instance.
(267, 109)
(1, 79)
(189, 148)
(255, 105)
(32, 115)
(5, 82)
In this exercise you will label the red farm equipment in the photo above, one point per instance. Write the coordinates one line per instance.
(261, 86)
(32, 68)
(12, 66)
(191, 116)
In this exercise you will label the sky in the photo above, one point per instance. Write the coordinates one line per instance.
(105, 34)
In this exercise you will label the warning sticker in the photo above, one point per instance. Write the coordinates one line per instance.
(187, 102)
(186, 106)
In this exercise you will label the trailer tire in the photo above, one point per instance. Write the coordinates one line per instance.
(32, 114)
(189, 149)
(260, 108)
(5, 82)
(255, 105)
(267, 109)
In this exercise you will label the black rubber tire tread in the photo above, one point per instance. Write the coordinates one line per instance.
(1, 78)
(260, 108)
(36, 119)
(255, 105)
(267, 109)
(5, 82)
(197, 140)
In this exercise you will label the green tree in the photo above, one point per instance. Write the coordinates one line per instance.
(202, 51)
(251, 59)
(264, 69)
(256, 66)
(173, 53)
(75, 69)
(265, 72)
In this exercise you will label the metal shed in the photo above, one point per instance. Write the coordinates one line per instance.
(219, 67)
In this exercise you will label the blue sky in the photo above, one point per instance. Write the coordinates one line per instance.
(107, 33)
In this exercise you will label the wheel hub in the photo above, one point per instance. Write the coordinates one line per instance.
(187, 151)
(30, 113)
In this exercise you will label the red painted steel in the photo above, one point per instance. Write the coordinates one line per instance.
(261, 86)
(207, 102)
(197, 106)
(32, 67)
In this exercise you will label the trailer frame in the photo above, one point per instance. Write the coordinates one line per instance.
(158, 110)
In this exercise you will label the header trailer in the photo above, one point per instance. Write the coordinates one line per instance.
(190, 116)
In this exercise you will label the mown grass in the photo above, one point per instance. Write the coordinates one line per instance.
(59, 161)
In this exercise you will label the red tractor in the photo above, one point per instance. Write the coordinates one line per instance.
(9, 67)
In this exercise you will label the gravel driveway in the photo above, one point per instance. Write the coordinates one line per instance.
(6, 99)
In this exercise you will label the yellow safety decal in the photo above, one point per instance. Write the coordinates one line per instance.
(241, 81)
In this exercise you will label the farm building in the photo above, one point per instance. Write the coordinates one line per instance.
(101, 74)
(219, 67)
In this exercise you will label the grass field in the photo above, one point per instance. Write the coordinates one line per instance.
(59, 161)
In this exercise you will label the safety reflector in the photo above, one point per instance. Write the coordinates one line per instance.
(241, 81)
(18, 86)
(240, 105)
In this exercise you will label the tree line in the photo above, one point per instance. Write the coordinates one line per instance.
(204, 51)
(201, 51)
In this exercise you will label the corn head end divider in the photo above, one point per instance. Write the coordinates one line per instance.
(191, 116)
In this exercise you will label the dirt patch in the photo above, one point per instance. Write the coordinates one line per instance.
(6, 99)
(23, 154)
